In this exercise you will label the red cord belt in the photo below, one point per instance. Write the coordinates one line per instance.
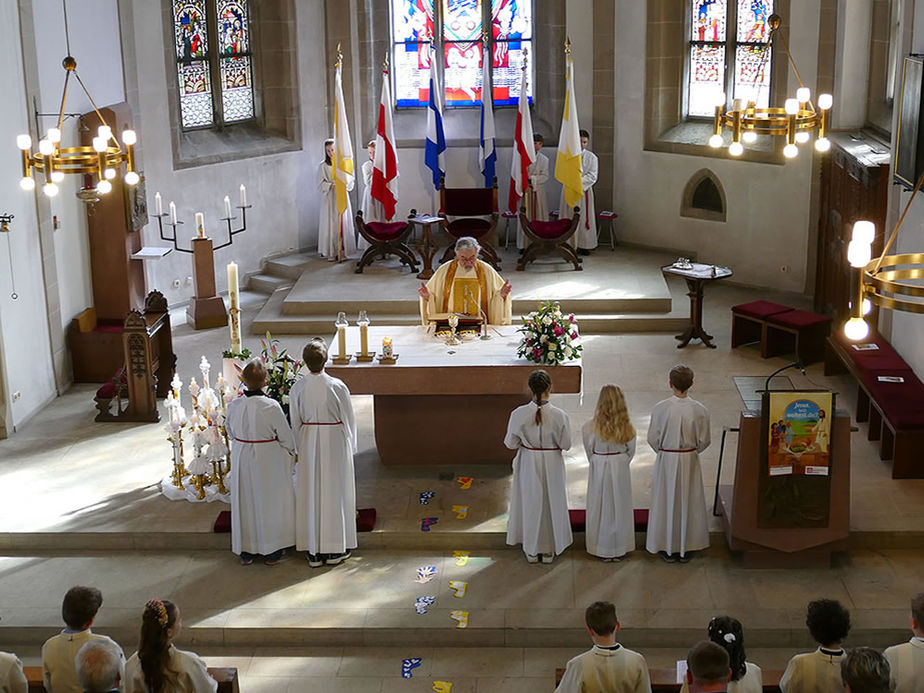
(526, 447)
(241, 440)
(322, 423)
(607, 454)
(684, 450)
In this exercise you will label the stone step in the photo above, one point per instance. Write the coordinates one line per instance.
(268, 283)
(290, 266)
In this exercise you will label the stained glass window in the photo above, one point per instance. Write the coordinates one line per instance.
(457, 27)
(737, 62)
(192, 65)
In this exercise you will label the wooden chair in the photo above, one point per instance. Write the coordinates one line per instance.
(385, 238)
(546, 237)
(469, 205)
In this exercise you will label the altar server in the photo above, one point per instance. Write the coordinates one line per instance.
(820, 671)
(906, 661)
(262, 498)
(538, 176)
(12, 678)
(678, 432)
(158, 666)
(609, 443)
(538, 513)
(371, 208)
(586, 235)
(336, 236)
(322, 415)
(466, 285)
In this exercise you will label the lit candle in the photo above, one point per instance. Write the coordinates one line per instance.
(173, 213)
(227, 207)
(386, 348)
(200, 224)
(158, 204)
(243, 196)
(234, 300)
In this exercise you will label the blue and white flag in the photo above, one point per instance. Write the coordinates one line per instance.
(436, 140)
(487, 154)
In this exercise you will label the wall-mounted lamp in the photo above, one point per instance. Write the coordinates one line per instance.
(5, 220)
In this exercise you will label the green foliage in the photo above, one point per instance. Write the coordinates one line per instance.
(281, 371)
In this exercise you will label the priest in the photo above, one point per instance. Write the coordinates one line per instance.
(466, 285)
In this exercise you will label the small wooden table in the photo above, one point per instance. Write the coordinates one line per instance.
(427, 245)
(696, 276)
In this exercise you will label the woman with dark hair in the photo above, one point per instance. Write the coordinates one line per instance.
(745, 676)
(157, 666)
(538, 513)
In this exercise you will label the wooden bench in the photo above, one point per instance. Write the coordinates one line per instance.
(228, 681)
(665, 680)
(895, 411)
(780, 330)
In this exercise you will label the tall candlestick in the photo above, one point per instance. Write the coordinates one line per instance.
(200, 224)
(173, 213)
(364, 339)
(158, 204)
(234, 300)
(341, 341)
(227, 207)
(243, 196)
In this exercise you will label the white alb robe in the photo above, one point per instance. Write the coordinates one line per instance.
(372, 208)
(187, 673)
(586, 235)
(751, 682)
(262, 497)
(59, 672)
(325, 506)
(813, 672)
(906, 664)
(538, 513)
(610, 528)
(334, 228)
(677, 521)
(12, 678)
(538, 173)
(602, 670)
(499, 308)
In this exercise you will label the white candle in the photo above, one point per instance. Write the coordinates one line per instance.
(200, 224)
(173, 213)
(243, 196)
(234, 300)
(158, 204)
(227, 207)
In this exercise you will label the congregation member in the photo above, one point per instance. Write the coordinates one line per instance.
(466, 285)
(538, 511)
(820, 671)
(336, 234)
(100, 665)
(262, 497)
(678, 433)
(586, 236)
(864, 670)
(746, 677)
(707, 668)
(906, 661)
(325, 506)
(609, 443)
(158, 666)
(12, 678)
(78, 609)
(607, 667)
(372, 209)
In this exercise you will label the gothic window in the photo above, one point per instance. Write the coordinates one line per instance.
(703, 197)
(729, 53)
(455, 29)
(214, 75)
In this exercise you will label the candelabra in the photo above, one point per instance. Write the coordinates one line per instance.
(173, 222)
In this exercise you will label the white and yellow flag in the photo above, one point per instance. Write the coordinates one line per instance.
(343, 146)
(568, 163)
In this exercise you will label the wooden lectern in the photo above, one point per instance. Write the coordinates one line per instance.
(205, 309)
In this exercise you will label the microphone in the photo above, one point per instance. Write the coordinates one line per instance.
(794, 364)
(484, 318)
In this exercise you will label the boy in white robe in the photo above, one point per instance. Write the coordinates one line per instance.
(262, 498)
(906, 661)
(78, 609)
(12, 678)
(607, 667)
(678, 432)
(325, 506)
(372, 209)
(336, 234)
(538, 173)
(820, 671)
(586, 235)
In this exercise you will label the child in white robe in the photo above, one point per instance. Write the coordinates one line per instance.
(336, 234)
(746, 677)
(262, 497)
(538, 173)
(906, 661)
(322, 415)
(372, 209)
(678, 432)
(586, 236)
(609, 443)
(12, 678)
(538, 513)
(820, 671)
(158, 665)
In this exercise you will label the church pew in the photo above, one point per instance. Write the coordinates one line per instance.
(665, 680)
(228, 681)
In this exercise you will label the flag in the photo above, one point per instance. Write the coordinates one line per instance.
(568, 162)
(524, 150)
(436, 140)
(343, 146)
(385, 164)
(487, 155)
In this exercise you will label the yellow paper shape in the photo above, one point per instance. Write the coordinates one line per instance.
(460, 616)
(459, 586)
(461, 511)
(461, 557)
(465, 482)
(442, 686)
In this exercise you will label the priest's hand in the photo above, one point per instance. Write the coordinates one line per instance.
(506, 289)
(424, 293)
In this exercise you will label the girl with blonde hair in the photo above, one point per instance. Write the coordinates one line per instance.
(609, 442)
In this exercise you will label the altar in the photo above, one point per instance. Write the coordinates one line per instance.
(434, 407)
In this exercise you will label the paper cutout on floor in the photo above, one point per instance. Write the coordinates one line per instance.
(425, 573)
(442, 686)
(421, 604)
(427, 522)
(459, 587)
(407, 665)
(460, 616)
(461, 511)
(461, 557)
(465, 482)
(425, 497)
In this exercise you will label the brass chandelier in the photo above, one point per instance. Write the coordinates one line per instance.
(796, 121)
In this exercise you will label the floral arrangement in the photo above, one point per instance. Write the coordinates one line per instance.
(549, 338)
(243, 354)
(281, 371)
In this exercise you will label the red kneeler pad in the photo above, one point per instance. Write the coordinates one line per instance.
(365, 521)
(579, 519)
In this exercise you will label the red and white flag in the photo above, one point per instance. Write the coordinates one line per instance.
(524, 150)
(385, 163)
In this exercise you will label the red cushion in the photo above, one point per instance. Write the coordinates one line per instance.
(222, 522)
(798, 318)
(106, 391)
(469, 227)
(760, 309)
(462, 201)
(578, 519)
(884, 358)
(385, 231)
(550, 229)
(365, 521)
(606, 215)
(901, 403)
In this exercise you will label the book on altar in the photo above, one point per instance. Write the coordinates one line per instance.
(466, 322)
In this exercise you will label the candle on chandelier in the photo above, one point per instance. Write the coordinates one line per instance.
(227, 207)
(158, 204)
(173, 213)
(200, 224)
(243, 196)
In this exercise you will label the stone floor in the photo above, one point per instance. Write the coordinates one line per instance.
(79, 504)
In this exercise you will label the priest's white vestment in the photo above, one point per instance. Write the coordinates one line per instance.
(610, 520)
(606, 670)
(331, 231)
(262, 497)
(372, 208)
(322, 415)
(538, 514)
(678, 432)
(586, 235)
(484, 283)
(186, 673)
(814, 672)
(906, 665)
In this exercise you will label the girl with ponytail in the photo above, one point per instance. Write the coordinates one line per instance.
(538, 513)
(745, 676)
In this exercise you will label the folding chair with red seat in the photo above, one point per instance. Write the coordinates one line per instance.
(546, 237)
(385, 238)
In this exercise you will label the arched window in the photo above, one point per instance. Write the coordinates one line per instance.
(213, 58)
(703, 197)
(455, 27)
(729, 53)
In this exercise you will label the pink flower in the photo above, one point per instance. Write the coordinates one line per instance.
(571, 318)
(574, 335)
(558, 331)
